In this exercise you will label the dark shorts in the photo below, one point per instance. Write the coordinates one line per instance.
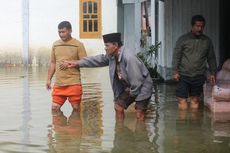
(190, 86)
(124, 100)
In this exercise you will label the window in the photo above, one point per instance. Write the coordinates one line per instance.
(90, 18)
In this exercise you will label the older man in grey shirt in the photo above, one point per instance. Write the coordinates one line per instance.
(130, 79)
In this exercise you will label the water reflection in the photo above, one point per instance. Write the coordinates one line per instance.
(28, 125)
(66, 133)
(186, 131)
(132, 139)
(26, 114)
(220, 126)
(190, 132)
(91, 111)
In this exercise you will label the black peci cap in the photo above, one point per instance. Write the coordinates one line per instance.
(112, 37)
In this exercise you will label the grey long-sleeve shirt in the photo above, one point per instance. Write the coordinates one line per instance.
(133, 72)
(191, 55)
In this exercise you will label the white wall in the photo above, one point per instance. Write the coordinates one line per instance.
(132, 25)
(161, 36)
(153, 22)
(45, 18)
(109, 25)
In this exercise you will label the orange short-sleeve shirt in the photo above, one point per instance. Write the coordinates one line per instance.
(70, 50)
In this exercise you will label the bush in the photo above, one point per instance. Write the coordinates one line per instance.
(149, 58)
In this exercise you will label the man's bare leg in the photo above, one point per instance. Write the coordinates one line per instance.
(120, 115)
(76, 107)
(56, 106)
(194, 104)
(182, 103)
(182, 115)
(140, 115)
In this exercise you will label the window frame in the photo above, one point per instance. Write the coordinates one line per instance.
(90, 34)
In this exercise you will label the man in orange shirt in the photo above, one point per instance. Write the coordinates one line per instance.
(68, 82)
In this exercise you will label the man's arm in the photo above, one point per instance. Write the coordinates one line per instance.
(94, 61)
(51, 71)
(91, 61)
(81, 51)
(212, 64)
(177, 54)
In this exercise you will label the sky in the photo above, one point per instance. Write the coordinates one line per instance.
(44, 16)
(10, 22)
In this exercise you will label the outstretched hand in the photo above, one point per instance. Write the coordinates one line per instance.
(68, 64)
(48, 84)
(212, 79)
(176, 76)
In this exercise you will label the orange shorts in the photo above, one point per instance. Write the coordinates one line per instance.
(72, 92)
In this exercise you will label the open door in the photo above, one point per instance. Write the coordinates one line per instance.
(224, 31)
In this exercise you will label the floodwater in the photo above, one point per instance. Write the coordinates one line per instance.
(27, 124)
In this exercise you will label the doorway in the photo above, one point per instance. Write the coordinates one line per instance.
(224, 31)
